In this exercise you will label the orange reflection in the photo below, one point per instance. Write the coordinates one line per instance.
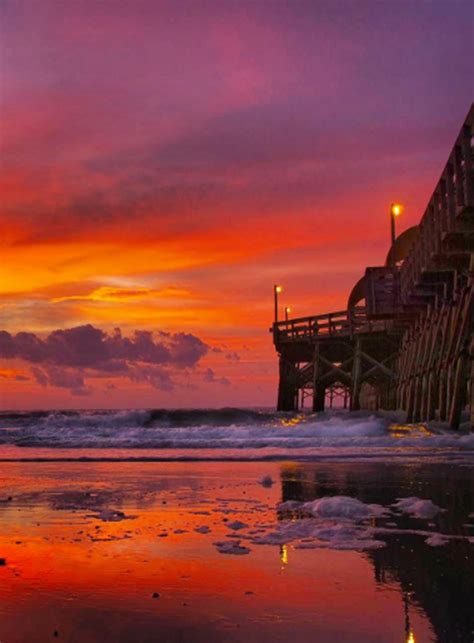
(62, 561)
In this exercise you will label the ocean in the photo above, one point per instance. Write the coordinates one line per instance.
(234, 526)
(229, 433)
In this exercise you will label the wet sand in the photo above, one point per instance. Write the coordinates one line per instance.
(195, 551)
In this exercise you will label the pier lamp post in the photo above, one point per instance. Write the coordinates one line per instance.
(287, 311)
(395, 211)
(276, 291)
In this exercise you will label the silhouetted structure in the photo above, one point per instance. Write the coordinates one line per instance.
(406, 340)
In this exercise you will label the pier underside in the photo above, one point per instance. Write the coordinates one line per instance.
(349, 361)
(423, 366)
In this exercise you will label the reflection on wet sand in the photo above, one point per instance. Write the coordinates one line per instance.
(173, 551)
(439, 580)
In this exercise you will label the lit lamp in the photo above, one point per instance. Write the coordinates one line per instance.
(395, 211)
(276, 291)
(287, 311)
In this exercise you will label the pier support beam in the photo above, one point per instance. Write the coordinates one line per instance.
(356, 376)
(458, 397)
(287, 387)
(319, 390)
(442, 396)
(319, 397)
(431, 403)
(471, 384)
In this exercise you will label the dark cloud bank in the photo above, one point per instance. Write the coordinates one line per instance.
(65, 357)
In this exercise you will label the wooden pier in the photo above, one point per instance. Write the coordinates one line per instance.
(406, 339)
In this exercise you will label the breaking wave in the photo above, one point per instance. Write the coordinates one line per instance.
(231, 429)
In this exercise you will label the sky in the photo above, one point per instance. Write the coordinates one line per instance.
(163, 164)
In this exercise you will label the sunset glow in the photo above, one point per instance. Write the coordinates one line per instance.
(236, 334)
(163, 166)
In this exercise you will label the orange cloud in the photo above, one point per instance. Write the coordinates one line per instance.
(13, 374)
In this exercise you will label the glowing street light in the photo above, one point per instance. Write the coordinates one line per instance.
(276, 291)
(395, 211)
(287, 311)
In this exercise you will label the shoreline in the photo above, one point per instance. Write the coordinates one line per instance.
(444, 456)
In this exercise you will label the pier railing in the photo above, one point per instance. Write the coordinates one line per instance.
(344, 323)
(448, 215)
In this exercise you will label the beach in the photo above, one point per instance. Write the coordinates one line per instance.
(237, 321)
(140, 545)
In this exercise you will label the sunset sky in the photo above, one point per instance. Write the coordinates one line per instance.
(163, 164)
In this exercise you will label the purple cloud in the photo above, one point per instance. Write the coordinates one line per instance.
(210, 376)
(156, 376)
(90, 347)
(68, 378)
(65, 357)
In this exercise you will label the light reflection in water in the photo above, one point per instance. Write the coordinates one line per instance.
(410, 637)
(403, 430)
(114, 568)
(297, 419)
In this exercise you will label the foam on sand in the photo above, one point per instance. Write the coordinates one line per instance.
(231, 547)
(267, 481)
(112, 515)
(236, 525)
(335, 507)
(345, 523)
(204, 529)
(335, 522)
(437, 540)
(417, 507)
